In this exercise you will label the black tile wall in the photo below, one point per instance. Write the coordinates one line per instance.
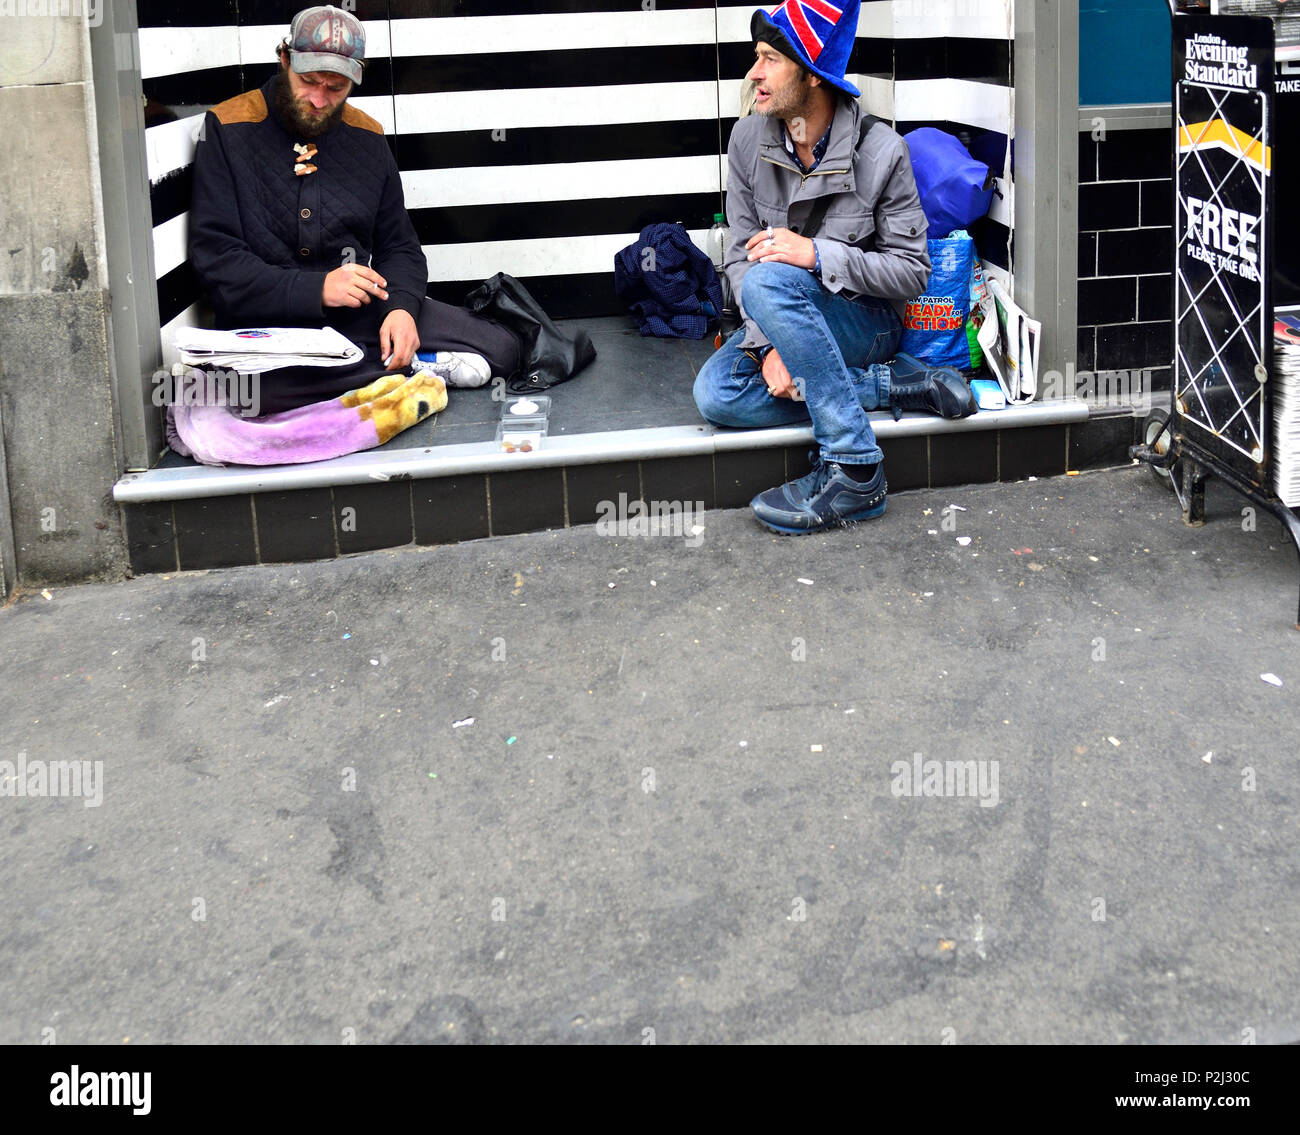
(1038, 451)
(907, 463)
(740, 476)
(1135, 346)
(586, 486)
(1157, 203)
(964, 458)
(1087, 349)
(798, 462)
(367, 517)
(150, 537)
(294, 526)
(1087, 158)
(1109, 205)
(1102, 441)
(529, 500)
(1087, 255)
(1112, 300)
(320, 523)
(1135, 155)
(1129, 252)
(1126, 250)
(1158, 380)
(1155, 298)
(214, 532)
(679, 478)
(448, 510)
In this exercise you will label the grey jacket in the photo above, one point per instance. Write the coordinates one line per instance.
(873, 240)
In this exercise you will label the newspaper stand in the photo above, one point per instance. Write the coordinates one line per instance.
(1220, 420)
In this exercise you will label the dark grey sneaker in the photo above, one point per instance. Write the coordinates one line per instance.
(826, 498)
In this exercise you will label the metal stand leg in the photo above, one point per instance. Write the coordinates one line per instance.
(1192, 493)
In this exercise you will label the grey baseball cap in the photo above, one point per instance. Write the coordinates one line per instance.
(326, 38)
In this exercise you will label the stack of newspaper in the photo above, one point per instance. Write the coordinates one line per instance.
(253, 350)
(1010, 340)
(1285, 19)
(1286, 405)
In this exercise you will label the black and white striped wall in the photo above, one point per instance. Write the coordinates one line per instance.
(948, 65)
(539, 138)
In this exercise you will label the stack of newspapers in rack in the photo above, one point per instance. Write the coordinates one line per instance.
(1286, 405)
(1286, 20)
(253, 350)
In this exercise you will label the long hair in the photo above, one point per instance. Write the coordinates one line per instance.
(748, 97)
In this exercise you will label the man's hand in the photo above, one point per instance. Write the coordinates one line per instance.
(779, 382)
(398, 339)
(352, 285)
(783, 247)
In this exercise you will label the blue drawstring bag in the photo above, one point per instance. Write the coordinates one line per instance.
(956, 190)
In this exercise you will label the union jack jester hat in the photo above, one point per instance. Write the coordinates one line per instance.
(818, 34)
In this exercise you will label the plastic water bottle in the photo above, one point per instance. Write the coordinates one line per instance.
(719, 237)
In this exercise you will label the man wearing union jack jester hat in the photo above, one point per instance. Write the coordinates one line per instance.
(828, 243)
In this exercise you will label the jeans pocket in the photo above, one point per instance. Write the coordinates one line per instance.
(885, 346)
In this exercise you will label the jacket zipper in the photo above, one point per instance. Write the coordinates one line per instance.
(803, 177)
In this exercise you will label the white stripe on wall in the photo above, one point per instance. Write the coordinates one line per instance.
(555, 106)
(379, 107)
(170, 147)
(985, 105)
(559, 256)
(174, 51)
(963, 19)
(170, 244)
(480, 35)
(257, 42)
(570, 181)
(901, 19)
(875, 21)
(187, 318)
(877, 95)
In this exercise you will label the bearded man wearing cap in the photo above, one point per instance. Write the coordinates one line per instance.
(828, 243)
(298, 219)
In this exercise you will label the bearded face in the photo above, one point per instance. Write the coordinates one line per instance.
(310, 104)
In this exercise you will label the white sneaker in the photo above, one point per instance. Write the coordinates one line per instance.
(462, 369)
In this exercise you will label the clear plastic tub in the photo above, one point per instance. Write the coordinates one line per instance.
(536, 406)
(522, 434)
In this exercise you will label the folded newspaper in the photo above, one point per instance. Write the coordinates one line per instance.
(1010, 340)
(1286, 405)
(253, 350)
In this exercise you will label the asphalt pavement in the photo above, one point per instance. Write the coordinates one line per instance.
(1019, 770)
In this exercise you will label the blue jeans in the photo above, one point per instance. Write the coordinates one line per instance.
(835, 348)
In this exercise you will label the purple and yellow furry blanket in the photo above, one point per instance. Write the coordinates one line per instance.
(360, 419)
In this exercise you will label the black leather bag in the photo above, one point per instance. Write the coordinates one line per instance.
(550, 356)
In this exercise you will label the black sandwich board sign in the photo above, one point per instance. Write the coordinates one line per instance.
(1223, 294)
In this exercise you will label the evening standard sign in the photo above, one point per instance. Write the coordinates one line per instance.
(1222, 307)
(1212, 61)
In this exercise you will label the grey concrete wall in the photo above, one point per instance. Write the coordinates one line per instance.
(56, 410)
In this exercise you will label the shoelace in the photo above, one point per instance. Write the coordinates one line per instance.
(815, 479)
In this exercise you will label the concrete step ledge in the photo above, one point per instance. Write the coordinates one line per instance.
(559, 450)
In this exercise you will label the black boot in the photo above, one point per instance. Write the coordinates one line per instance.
(934, 390)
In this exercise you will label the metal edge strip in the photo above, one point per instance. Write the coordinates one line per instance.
(560, 450)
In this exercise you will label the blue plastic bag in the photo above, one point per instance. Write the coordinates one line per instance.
(937, 327)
